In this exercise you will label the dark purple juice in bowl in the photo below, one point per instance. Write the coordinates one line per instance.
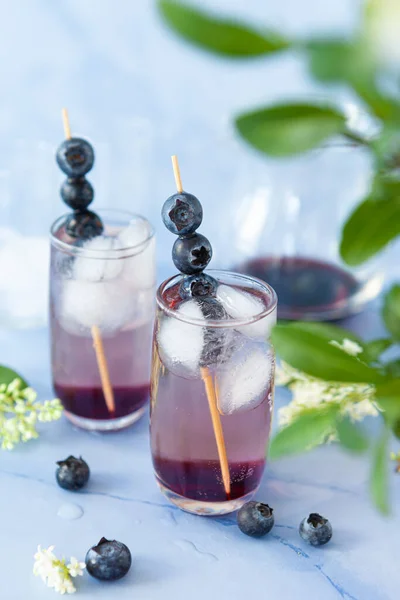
(308, 288)
(234, 359)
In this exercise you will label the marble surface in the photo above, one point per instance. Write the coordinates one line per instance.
(140, 95)
(176, 554)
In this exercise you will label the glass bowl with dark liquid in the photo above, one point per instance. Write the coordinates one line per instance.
(286, 227)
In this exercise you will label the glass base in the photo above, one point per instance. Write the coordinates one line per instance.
(105, 424)
(205, 509)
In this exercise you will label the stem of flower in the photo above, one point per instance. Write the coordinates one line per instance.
(355, 137)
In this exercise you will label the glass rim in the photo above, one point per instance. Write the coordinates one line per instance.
(101, 254)
(233, 322)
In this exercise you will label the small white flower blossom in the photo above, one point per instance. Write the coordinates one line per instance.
(75, 567)
(348, 346)
(354, 400)
(19, 413)
(56, 573)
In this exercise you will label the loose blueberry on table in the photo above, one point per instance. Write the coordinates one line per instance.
(72, 473)
(255, 519)
(315, 530)
(109, 560)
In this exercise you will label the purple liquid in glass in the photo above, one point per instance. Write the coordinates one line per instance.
(185, 453)
(107, 288)
(184, 450)
(76, 375)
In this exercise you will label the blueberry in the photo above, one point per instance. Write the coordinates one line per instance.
(212, 309)
(182, 213)
(84, 225)
(218, 342)
(191, 254)
(75, 157)
(255, 519)
(315, 530)
(72, 473)
(109, 560)
(198, 286)
(77, 193)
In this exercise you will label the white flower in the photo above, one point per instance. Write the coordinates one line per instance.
(54, 572)
(348, 346)
(75, 567)
(357, 411)
(357, 400)
(44, 559)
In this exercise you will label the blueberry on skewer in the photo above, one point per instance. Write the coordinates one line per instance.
(182, 214)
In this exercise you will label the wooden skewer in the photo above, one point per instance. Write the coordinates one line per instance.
(209, 386)
(177, 173)
(67, 127)
(95, 331)
(103, 368)
(217, 426)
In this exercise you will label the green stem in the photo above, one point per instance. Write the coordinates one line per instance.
(354, 137)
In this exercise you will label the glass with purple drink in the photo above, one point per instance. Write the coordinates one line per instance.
(102, 288)
(106, 285)
(212, 374)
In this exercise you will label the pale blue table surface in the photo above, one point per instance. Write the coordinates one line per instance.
(176, 554)
(137, 92)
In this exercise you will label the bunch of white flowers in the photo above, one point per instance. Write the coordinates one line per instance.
(57, 573)
(20, 411)
(356, 400)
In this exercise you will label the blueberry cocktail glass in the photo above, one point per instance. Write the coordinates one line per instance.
(212, 374)
(102, 287)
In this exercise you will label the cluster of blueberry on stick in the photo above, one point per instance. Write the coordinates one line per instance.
(75, 157)
(182, 214)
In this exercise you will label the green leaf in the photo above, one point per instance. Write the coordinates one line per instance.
(388, 398)
(387, 152)
(391, 312)
(336, 59)
(392, 368)
(374, 349)
(288, 129)
(350, 436)
(328, 332)
(221, 36)
(372, 225)
(352, 62)
(308, 430)
(379, 480)
(310, 352)
(8, 375)
(381, 105)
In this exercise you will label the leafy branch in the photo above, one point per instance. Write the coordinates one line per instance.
(350, 380)
(320, 358)
(292, 128)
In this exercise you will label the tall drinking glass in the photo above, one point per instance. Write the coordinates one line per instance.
(212, 393)
(102, 313)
